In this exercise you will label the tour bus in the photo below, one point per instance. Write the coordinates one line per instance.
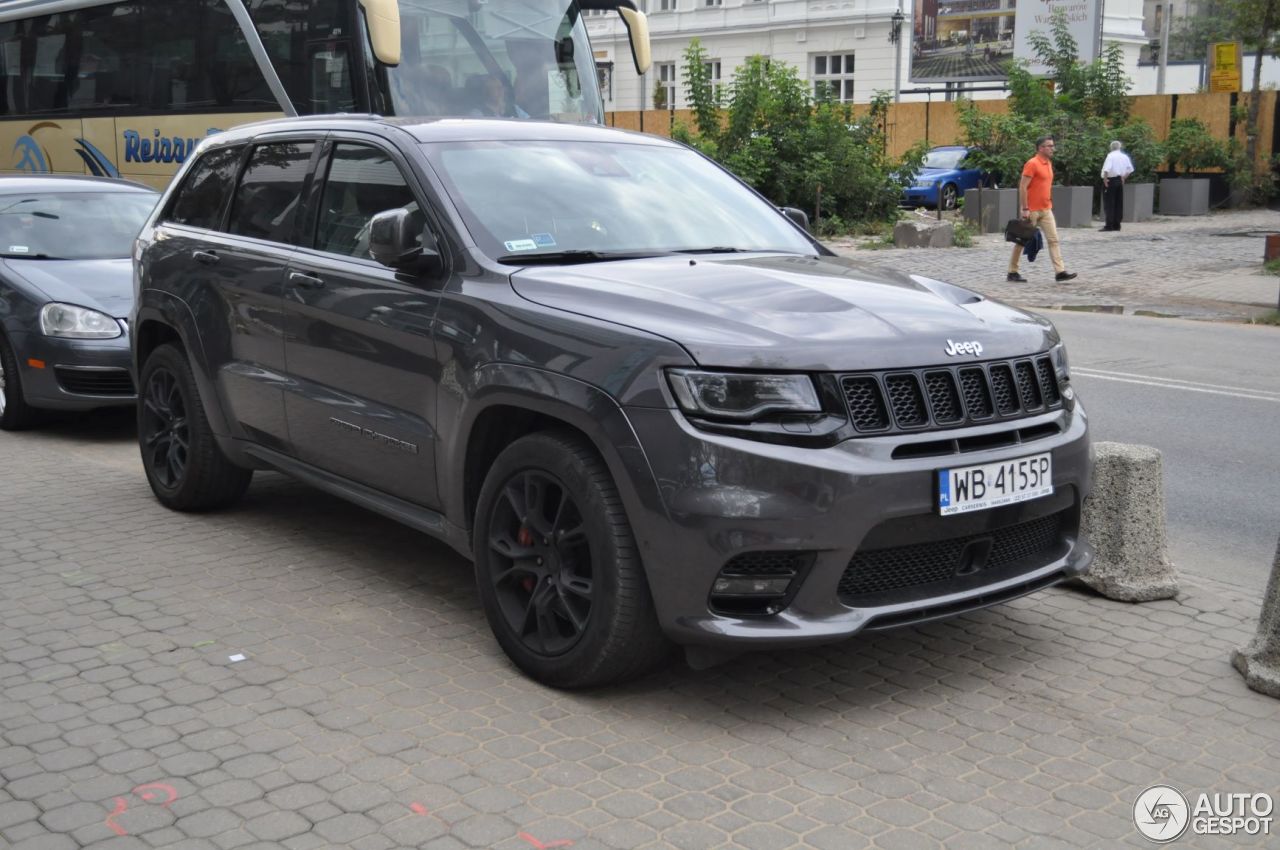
(128, 89)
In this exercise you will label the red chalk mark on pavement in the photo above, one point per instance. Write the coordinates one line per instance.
(538, 845)
(121, 808)
(152, 791)
(419, 809)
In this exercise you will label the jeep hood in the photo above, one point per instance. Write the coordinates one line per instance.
(789, 312)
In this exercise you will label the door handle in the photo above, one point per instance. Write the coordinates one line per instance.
(305, 281)
(205, 258)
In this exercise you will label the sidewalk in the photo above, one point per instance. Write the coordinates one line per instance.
(373, 710)
(1199, 267)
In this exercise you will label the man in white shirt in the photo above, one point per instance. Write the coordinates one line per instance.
(1115, 170)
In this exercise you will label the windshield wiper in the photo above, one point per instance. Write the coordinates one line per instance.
(719, 250)
(571, 257)
(29, 257)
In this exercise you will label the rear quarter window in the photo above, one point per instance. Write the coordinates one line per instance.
(203, 195)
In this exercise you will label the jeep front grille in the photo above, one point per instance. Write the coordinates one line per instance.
(898, 401)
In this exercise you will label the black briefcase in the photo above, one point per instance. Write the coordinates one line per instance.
(1019, 230)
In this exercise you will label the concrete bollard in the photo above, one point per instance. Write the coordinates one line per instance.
(1124, 518)
(1259, 662)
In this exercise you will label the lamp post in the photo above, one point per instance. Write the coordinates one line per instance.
(895, 38)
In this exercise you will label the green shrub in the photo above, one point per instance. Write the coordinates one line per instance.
(1191, 147)
(791, 147)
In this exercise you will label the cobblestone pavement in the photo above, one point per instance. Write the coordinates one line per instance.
(373, 709)
(1200, 266)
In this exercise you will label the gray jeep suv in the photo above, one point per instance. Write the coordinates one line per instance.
(646, 403)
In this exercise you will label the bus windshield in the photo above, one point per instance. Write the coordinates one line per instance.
(505, 58)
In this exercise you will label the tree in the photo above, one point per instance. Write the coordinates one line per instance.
(1256, 22)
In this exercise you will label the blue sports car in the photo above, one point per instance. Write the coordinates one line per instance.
(943, 176)
(66, 287)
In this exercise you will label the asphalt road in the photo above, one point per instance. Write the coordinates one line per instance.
(1208, 396)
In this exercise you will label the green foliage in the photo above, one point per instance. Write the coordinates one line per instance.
(659, 97)
(1143, 149)
(699, 91)
(1191, 147)
(964, 232)
(792, 148)
(1083, 106)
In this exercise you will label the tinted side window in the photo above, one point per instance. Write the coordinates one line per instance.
(270, 192)
(155, 54)
(309, 45)
(203, 194)
(362, 182)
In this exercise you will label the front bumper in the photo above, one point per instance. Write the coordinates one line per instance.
(920, 196)
(77, 374)
(727, 496)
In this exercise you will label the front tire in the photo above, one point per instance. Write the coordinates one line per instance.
(948, 195)
(557, 567)
(15, 413)
(186, 469)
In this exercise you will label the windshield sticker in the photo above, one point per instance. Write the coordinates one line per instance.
(19, 249)
(521, 245)
(544, 240)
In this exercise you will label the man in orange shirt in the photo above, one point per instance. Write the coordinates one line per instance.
(1036, 205)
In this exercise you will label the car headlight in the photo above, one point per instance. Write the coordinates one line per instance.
(72, 322)
(1058, 354)
(743, 397)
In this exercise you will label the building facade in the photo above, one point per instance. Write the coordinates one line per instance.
(841, 44)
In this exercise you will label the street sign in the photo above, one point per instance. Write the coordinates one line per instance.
(1224, 66)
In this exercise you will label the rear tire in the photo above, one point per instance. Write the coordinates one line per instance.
(557, 567)
(186, 469)
(15, 413)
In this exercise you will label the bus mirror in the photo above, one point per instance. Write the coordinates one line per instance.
(382, 18)
(638, 31)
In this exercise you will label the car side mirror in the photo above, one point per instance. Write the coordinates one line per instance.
(798, 216)
(396, 241)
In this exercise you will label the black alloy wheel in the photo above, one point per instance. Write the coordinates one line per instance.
(163, 430)
(541, 570)
(185, 467)
(557, 567)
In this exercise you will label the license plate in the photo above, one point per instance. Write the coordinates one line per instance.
(990, 485)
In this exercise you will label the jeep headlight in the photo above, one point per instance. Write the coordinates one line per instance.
(71, 322)
(1062, 370)
(742, 396)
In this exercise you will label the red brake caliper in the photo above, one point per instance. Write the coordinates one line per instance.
(525, 538)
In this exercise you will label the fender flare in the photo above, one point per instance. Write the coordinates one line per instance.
(169, 310)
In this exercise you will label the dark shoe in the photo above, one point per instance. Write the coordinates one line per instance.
(1063, 277)
(1014, 277)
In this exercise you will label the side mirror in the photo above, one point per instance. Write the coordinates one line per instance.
(396, 239)
(798, 216)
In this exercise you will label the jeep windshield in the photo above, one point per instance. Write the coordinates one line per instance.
(544, 201)
(527, 59)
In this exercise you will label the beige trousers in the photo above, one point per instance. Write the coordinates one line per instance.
(1042, 219)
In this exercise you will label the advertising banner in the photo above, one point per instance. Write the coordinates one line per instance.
(961, 40)
(1224, 66)
(1084, 22)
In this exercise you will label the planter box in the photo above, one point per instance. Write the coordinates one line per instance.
(998, 206)
(1073, 206)
(1139, 201)
(1184, 196)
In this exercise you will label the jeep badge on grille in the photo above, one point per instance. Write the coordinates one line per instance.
(954, 349)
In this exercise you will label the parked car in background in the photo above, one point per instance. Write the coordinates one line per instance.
(943, 176)
(66, 288)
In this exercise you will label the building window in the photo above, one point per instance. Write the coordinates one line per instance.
(833, 76)
(664, 93)
(713, 75)
(665, 6)
(712, 2)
